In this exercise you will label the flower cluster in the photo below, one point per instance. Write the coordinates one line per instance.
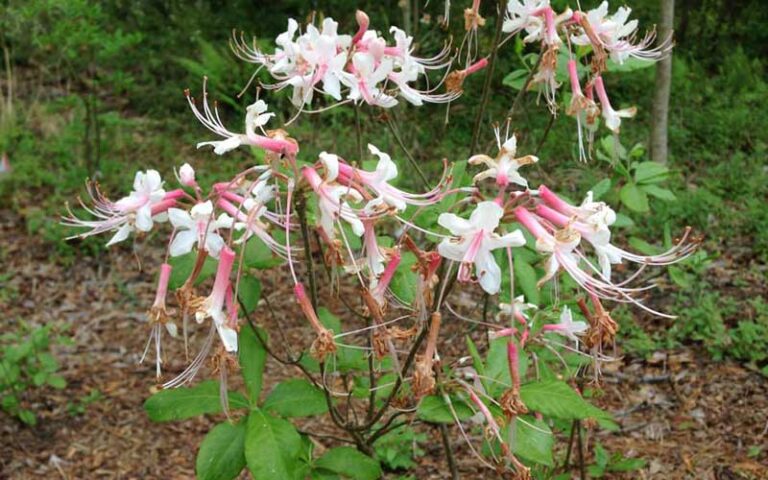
(362, 67)
(609, 37)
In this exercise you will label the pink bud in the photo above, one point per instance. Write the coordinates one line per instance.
(187, 175)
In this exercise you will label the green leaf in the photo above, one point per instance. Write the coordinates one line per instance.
(658, 192)
(57, 382)
(634, 198)
(253, 357)
(249, 292)
(435, 409)
(533, 440)
(629, 65)
(351, 463)
(555, 398)
(526, 278)
(187, 402)
(515, 79)
(650, 172)
(183, 266)
(477, 362)
(272, 446)
(296, 398)
(601, 188)
(627, 465)
(258, 255)
(405, 280)
(222, 453)
(622, 221)
(27, 417)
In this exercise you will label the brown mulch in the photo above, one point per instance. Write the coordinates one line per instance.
(688, 416)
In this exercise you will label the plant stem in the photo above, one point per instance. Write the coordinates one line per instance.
(301, 209)
(398, 138)
(488, 78)
(449, 452)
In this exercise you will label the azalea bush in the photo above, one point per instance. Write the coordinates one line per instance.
(540, 264)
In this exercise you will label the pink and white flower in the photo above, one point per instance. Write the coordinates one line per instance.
(475, 240)
(198, 227)
(616, 34)
(612, 117)
(378, 181)
(333, 198)
(213, 305)
(145, 205)
(256, 117)
(504, 168)
(567, 327)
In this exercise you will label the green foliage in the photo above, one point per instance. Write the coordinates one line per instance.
(296, 398)
(186, 402)
(272, 446)
(253, 358)
(349, 462)
(222, 453)
(27, 364)
(398, 447)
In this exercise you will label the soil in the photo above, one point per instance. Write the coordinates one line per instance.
(686, 415)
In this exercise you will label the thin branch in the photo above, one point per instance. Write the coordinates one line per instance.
(408, 155)
(488, 78)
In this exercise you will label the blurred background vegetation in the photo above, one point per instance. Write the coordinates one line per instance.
(95, 88)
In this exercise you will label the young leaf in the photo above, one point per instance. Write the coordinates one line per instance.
(634, 198)
(601, 188)
(557, 399)
(435, 410)
(253, 357)
(650, 172)
(222, 452)
(349, 462)
(658, 192)
(249, 292)
(272, 446)
(533, 440)
(296, 398)
(258, 255)
(186, 402)
(404, 282)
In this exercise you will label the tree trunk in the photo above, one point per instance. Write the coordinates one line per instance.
(660, 112)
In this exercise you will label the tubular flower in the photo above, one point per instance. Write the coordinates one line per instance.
(562, 250)
(615, 34)
(332, 198)
(567, 327)
(378, 181)
(198, 227)
(474, 242)
(525, 15)
(583, 108)
(365, 64)
(159, 318)
(504, 168)
(612, 117)
(255, 117)
(213, 306)
(138, 211)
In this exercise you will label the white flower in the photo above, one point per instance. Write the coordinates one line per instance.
(525, 15)
(476, 239)
(518, 307)
(332, 197)
(364, 82)
(567, 327)
(504, 168)
(197, 227)
(615, 34)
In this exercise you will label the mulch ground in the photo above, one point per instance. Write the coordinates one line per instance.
(687, 416)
